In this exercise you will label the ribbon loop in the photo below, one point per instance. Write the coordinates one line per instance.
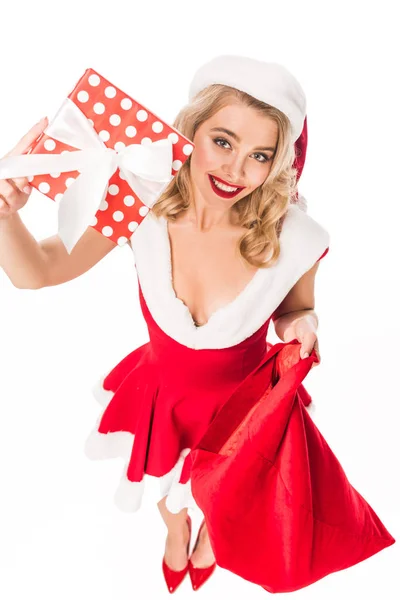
(146, 168)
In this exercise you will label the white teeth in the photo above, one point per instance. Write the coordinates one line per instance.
(223, 187)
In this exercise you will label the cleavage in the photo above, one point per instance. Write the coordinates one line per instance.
(207, 271)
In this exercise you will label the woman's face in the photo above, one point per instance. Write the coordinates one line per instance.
(236, 146)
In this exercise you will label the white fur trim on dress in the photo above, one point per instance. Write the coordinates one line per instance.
(302, 242)
(311, 408)
(129, 494)
(102, 396)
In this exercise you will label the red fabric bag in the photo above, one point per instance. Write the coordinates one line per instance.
(279, 508)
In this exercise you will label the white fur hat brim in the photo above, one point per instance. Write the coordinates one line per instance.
(271, 83)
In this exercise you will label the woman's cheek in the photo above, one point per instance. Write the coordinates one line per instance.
(258, 176)
(204, 157)
(210, 157)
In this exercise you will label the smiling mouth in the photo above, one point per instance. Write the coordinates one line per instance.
(223, 190)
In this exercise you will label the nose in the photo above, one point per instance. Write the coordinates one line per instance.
(234, 169)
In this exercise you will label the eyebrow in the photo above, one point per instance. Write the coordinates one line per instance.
(237, 138)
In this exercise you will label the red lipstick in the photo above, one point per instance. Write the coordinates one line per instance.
(223, 193)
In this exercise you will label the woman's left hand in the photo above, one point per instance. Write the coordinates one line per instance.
(303, 329)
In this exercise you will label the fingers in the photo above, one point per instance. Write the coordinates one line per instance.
(29, 138)
(4, 207)
(10, 189)
(12, 198)
(308, 346)
(315, 363)
(309, 341)
(14, 193)
(20, 184)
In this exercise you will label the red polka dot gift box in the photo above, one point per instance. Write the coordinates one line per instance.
(104, 158)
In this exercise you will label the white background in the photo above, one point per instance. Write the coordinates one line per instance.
(60, 534)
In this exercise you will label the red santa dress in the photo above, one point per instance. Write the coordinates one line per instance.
(171, 405)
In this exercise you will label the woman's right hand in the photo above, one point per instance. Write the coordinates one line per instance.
(14, 193)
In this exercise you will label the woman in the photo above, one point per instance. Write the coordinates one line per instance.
(224, 250)
(206, 248)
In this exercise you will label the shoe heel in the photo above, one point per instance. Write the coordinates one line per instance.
(174, 578)
(198, 576)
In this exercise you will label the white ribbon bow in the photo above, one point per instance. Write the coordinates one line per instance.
(146, 168)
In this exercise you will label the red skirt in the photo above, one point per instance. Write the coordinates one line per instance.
(158, 403)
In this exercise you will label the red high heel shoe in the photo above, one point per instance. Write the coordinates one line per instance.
(174, 578)
(198, 575)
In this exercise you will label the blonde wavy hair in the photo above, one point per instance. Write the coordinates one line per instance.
(263, 210)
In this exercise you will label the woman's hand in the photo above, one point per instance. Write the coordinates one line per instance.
(304, 330)
(14, 193)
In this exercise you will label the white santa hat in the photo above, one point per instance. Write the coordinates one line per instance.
(270, 82)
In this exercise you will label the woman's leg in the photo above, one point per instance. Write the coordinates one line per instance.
(177, 538)
(203, 555)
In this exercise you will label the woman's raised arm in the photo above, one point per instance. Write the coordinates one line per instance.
(30, 264)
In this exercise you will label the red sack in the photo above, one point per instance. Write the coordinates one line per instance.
(279, 508)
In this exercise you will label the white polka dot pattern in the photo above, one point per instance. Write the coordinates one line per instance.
(113, 189)
(177, 164)
(157, 127)
(141, 115)
(126, 103)
(83, 96)
(110, 92)
(131, 131)
(173, 137)
(133, 225)
(99, 108)
(118, 146)
(187, 149)
(94, 80)
(115, 120)
(50, 145)
(119, 121)
(44, 187)
(118, 215)
(104, 135)
(129, 200)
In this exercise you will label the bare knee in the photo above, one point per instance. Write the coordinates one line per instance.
(173, 521)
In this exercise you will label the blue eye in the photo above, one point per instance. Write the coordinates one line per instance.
(223, 140)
